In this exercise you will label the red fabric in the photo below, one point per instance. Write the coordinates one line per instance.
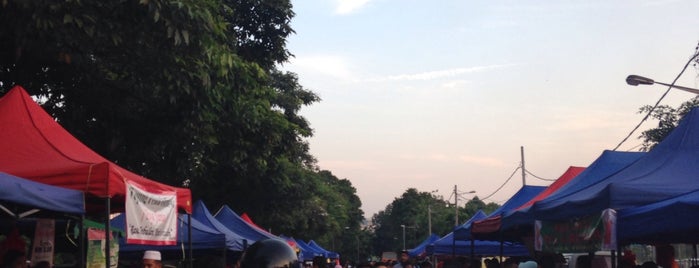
(247, 219)
(562, 180)
(34, 146)
(492, 224)
(487, 225)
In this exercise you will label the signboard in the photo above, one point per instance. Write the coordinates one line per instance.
(43, 245)
(96, 241)
(151, 218)
(586, 234)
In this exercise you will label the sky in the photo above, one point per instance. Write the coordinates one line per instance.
(434, 95)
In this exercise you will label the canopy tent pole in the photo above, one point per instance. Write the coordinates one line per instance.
(107, 233)
(83, 237)
(473, 250)
(189, 238)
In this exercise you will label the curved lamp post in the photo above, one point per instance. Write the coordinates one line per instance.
(636, 80)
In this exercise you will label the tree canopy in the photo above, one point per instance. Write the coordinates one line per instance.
(411, 210)
(188, 93)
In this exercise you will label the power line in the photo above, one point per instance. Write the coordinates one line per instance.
(503, 185)
(535, 176)
(658, 102)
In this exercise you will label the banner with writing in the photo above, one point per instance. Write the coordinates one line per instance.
(43, 245)
(151, 218)
(96, 241)
(586, 234)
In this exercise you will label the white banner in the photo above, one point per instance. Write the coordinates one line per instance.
(151, 218)
(43, 246)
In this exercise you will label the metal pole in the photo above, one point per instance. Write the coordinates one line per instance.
(456, 207)
(83, 239)
(524, 173)
(429, 220)
(403, 226)
(189, 238)
(107, 233)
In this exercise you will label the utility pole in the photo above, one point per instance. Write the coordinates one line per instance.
(524, 173)
(429, 219)
(456, 207)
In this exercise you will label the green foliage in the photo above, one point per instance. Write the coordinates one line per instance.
(668, 118)
(186, 93)
(411, 210)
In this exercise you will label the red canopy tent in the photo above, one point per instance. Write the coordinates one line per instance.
(34, 146)
(493, 223)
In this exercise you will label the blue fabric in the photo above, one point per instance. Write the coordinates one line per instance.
(202, 237)
(446, 245)
(328, 254)
(463, 232)
(42, 196)
(307, 252)
(236, 224)
(669, 221)
(608, 163)
(668, 170)
(234, 241)
(420, 249)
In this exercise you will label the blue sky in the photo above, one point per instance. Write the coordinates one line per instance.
(432, 94)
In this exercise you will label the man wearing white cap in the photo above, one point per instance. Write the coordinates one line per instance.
(152, 259)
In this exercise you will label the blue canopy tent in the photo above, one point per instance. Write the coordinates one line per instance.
(489, 227)
(326, 253)
(307, 252)
(30, 197)
(237, 225)
(420, 249)
(668, 170)
(203, 237)
(448, 245)
(669, 221)
(608, 163)
(234, 240)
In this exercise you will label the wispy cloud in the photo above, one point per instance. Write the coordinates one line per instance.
(442, 158)
(333, 66)
(345, 7)
(439, 74)
(481, 161)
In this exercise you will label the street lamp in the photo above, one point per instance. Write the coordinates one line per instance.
(403, 226)
(636, 80)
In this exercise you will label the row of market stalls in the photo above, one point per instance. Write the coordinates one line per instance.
(47, 174)
(621, 198)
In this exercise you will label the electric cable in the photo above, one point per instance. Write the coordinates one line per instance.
(658, 102)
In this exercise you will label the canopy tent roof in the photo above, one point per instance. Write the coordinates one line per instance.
(326, 253)
(420, 249)
(39, 149)
(492, 223)
(234, 241)
(236, 224)
(668, 170)
(33, 195)
(562, 180)
(463, 232)
(608, 163)
(669, 221)
(247, 219)
(307, 252)
(447, 245)
(203, 237)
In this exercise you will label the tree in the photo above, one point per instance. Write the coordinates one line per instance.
(411, 210)
(668, 118)
(184, 92)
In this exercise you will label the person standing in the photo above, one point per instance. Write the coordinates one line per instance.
(404, 258)
(152, 259)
